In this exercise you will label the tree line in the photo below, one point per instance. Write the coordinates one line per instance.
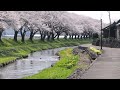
(49, 24)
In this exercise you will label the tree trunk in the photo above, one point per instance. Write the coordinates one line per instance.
(23, 37)
(31, 36)
(15, 35)
(81, 37)
(43, 37)
(23, 32)
(78, 37)
(52, 36)
(1, 36)
(65, 37)
(87, 36)
(72, 36)
(48, 37)
(75, 37)
(84, 36)
(58, 37)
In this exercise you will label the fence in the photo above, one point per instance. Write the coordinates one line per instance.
(107, 42)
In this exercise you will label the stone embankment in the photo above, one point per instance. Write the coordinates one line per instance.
(87, 58)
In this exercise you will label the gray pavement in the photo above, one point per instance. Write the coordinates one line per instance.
(107, 66)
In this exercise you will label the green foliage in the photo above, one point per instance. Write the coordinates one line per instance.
(68, 60)
(95, 35)
(51, 73)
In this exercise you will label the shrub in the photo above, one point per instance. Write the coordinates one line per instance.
(95, 50)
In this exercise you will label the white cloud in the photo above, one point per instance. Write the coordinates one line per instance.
(115, 15)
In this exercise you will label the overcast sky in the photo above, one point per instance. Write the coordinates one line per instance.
(115, 15)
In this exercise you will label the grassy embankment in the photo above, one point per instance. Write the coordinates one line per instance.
(65, 67)
(62, 69)
(10, 50)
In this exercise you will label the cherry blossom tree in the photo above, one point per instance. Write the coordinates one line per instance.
(50, 24)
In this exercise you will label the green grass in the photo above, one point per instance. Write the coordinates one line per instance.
(6, 59)
(62, 69)
(9, 50)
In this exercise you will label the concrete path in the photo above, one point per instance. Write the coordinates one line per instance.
(107, 66)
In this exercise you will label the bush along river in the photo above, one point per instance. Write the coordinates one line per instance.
(34, 63)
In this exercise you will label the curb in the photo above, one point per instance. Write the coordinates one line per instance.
(85, 71)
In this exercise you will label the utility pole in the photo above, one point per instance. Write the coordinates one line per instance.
(101, 34)
(110, 23)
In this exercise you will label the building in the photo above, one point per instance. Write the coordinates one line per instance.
(114, 29)
(118, 30)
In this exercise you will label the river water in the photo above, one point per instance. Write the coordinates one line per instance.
(33, 64)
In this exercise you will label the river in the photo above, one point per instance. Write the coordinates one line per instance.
(34, 63)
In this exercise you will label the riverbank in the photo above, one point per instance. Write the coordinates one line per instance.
(70, 66)
(11, 51)
(86, 60)
(62, 69)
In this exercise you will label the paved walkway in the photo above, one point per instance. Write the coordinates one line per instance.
(107, 66)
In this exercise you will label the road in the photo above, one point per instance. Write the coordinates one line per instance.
(107, 66)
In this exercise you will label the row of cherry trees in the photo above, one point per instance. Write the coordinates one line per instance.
(49, 24)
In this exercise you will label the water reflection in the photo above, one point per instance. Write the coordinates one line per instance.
(31, 62)
(15, 66)
(52, 52)
(1, 76)
(35, 62)
(23, 64)
(31, 54)
(48, 52)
